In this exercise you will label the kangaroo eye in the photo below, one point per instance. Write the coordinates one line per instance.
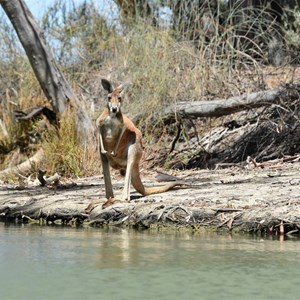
(119, 98)
(109, 98)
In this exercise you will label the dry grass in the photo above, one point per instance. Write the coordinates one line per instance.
(64, 154)
(161, 68)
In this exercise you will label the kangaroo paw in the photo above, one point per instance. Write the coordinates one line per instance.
(113, 154)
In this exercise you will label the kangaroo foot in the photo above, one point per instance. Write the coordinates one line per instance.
(109, 202)
(91, 206)
(112, 201)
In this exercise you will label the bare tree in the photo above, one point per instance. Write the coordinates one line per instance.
(53, 82)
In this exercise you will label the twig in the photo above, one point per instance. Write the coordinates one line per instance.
(30, 219)
(220, 210)
(41, 179)
(50, 180)
(90, 223)
(224, 222)
(226, 165)
(292, 232)
(176, 137)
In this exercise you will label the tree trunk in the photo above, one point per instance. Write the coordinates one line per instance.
(52, 81)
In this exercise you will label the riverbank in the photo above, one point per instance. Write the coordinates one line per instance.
(262, 200)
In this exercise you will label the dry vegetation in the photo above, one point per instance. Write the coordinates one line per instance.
(162, 68)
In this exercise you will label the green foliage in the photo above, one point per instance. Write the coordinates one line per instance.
(78, 33)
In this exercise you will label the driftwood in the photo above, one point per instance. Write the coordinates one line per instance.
(54, 179)
(264, 125)
(222, 107)
(25, 166)
(263, 133)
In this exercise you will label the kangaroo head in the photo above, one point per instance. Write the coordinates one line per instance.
(114, 97)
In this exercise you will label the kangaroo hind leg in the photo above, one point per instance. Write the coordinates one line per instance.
(109, 193)
(128, 174)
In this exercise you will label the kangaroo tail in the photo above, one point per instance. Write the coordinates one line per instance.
(138, 185)
(162, 188)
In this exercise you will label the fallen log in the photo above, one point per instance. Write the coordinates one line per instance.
(25, 166)
(264, 133)
(222, 107)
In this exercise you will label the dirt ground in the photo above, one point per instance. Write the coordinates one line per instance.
(265, 200)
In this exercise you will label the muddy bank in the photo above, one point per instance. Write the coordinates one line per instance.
(233, 199)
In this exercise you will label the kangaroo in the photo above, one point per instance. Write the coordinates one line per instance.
(120, 146)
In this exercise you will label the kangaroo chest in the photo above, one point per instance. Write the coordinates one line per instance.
(111, 128)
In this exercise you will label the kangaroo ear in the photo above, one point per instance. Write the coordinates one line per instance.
(107, 85)
(122, 88)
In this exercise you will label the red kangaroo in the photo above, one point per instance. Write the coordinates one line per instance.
(120, 145)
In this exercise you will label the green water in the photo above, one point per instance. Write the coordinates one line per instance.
(67, 263)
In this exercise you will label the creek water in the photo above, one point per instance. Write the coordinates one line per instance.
(38, 262)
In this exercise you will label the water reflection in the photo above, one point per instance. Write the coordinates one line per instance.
(116, 247)
(70, 263)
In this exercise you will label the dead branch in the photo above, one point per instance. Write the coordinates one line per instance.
(37, 112)
(222, 107)
(25, 166)
(54, 179)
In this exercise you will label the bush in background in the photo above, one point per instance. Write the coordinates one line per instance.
(173, 51)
